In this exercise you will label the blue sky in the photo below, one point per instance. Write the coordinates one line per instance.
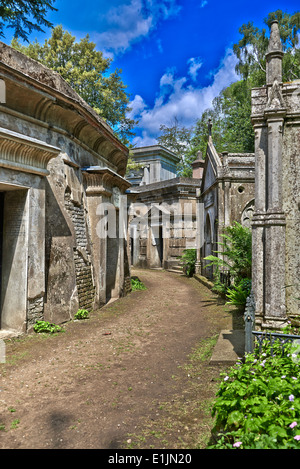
(175, 55)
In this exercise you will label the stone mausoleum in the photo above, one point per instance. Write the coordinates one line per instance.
(276, 219)
(154, 163)
(59, 161)
(163, 210)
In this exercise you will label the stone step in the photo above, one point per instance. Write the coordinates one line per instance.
(175, 268)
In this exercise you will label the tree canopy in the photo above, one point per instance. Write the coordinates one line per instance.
(230, 112)
(87, 72)
(252, 47)
(177, 138)
(24, 16)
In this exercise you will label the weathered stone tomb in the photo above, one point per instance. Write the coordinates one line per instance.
(227, 195)
(59, 163)
(276, 220)
(163, 209)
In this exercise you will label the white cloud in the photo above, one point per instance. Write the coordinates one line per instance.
(137, 106)
(130, 22)
(177, 98)
(195, 65)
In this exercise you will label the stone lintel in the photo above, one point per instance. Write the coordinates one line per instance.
(274, 115)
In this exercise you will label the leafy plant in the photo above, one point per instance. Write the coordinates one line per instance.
(136, 284)
(82, 314)
(238, 294)
(188, 260)
(44, 326)
(234, 259)
(236, 252)
(258, 402)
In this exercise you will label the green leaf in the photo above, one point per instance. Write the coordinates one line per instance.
(275, 430)
(235, 418)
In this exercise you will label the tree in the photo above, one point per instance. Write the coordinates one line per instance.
(177, 138)
(201, 133)
(86, 70)
(230, 113)
(24, 16)
(232, 129)
(233, 107)
(252, 47)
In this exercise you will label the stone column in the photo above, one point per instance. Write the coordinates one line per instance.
(36, 253)
(199, 231)
(268, 223)
(275, 222)
(258, 220)
(96, 195)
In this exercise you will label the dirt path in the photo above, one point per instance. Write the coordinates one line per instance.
(125, 378)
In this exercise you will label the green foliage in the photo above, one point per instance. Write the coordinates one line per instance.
(188, 261)
(87, 72)
(177, 139)
(257, 405)
(132, 165)
(24, 16)
(45, 326)
(237, 294)
(82, 314)
(137, 285)
(252, 47)
(235, 254)
(230, 112)
(235, 259)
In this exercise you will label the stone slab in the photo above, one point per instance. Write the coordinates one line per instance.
(229, 347)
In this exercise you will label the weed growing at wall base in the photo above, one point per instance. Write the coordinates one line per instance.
(82, 314)
(258, 403)
(44, 326)
(136, 284)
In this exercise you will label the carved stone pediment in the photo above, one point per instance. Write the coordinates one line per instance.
(275, 99)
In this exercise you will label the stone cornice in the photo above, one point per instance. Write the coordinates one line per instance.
(26, 154)
(100, 181)
(38, 92)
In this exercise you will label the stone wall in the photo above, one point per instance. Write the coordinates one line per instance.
(82, 256)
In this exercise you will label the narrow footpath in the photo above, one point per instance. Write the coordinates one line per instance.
(136, 374)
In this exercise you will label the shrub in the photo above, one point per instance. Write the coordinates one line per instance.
(238, 294)
(258, 402)
(44, 326)
(235, 259)
(188, 260)
(136, 284)
(82, 314)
